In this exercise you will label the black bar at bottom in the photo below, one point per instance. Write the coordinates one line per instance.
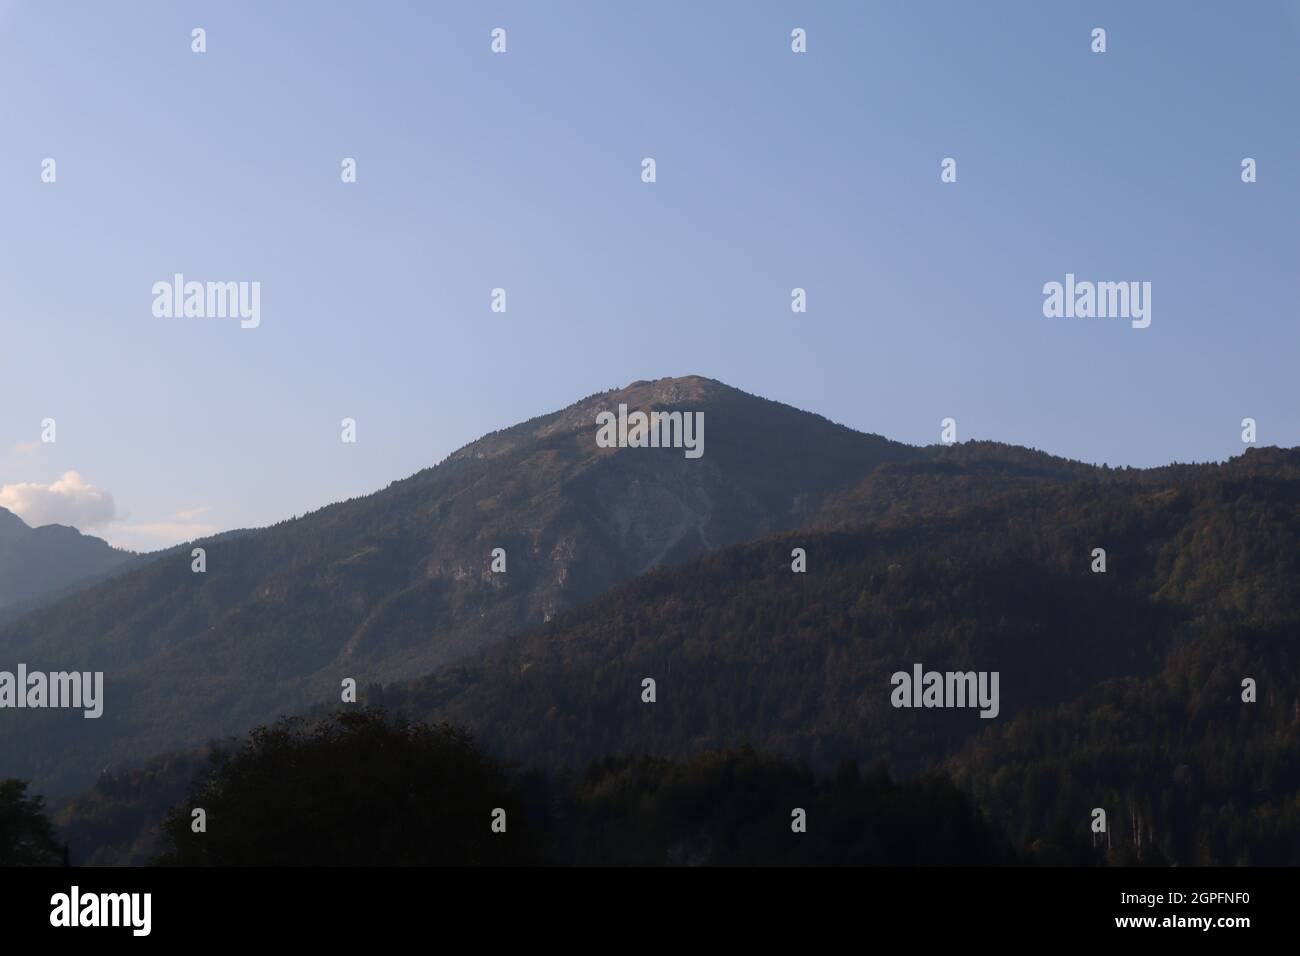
(338, 905)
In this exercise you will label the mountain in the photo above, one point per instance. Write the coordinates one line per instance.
(39, 563)
(1119, 689)
(400, 582)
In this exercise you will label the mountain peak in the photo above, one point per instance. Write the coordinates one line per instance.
(687, 388)
(11, 524)
(581, 415)
(36, 562)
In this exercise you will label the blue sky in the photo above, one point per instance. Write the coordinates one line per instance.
(522, 171)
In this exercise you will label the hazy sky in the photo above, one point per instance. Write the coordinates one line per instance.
(522, 170)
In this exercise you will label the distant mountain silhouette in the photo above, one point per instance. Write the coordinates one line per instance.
(39, 563)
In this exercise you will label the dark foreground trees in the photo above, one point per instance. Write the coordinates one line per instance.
(740, 808)
(362, 788)
(26, 834)
(358, 790)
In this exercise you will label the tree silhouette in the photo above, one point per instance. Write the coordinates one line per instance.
(26, 834)
(358, 789)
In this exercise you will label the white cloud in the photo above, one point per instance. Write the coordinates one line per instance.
(70, 501)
